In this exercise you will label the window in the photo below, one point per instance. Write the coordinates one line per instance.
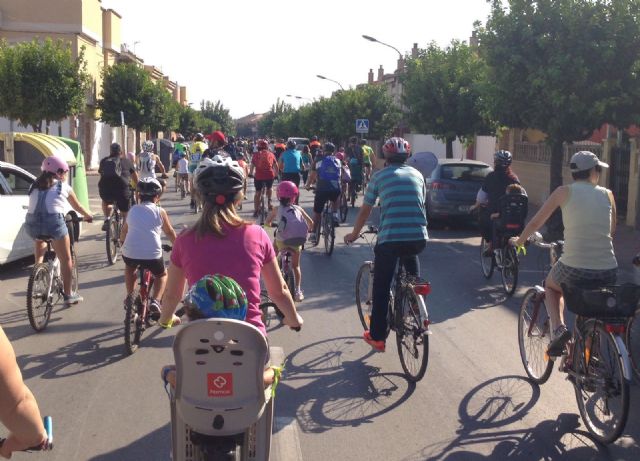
(463, 172)
(18, 182)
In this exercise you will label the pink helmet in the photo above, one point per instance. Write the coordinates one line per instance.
(287, 189)
(340, 156)
(54, 165)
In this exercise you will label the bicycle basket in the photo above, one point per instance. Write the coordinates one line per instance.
(611, 301)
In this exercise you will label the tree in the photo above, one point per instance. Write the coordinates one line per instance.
(564, 67)
(442, 91)
(128, 88)
(266, 124)
(41, 81)
(165, 115)
(219, 114)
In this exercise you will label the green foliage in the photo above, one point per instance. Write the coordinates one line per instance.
(217, 113)
(443, 93)
(41, 81)
(192, 121)
(165, 114)
(564, 67)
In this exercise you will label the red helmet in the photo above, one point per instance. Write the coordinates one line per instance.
(217, 136)
(262, 144)
(398, 148)
(55, 165)
(287, 189)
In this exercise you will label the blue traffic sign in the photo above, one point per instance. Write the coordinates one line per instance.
(362, 125)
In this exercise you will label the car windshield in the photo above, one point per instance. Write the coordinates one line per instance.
(462, 172)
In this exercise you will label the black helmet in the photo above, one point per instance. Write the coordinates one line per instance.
(199, 137)
(180, 138)
(218, 177)
(503, 158)
(291, 144)
(329, 148)
(230, 139)
(314, 138)
(115, 148)
(149, 187)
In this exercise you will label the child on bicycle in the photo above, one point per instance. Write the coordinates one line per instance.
(345, 176)
(182, 170)
(141, 236)
(293, 225)
(49, 197)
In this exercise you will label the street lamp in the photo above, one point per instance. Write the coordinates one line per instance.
(134, 46)
(371, 39)
(334, 81)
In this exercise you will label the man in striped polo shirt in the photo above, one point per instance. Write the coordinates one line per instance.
(402, 231)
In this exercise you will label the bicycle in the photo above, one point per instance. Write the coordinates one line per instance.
(504, 258)
(113, 235)
(344, 206)
(595, 358)
(137, 315)
(262, 207)
(45, 287)
(327, 229)
(48, 444)
(354, 188)
(407, 314)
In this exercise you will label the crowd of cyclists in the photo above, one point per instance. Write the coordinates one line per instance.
(215, 170)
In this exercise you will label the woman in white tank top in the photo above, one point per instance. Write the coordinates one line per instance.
(589, 218)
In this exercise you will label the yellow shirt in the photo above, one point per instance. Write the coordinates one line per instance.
(367, 152)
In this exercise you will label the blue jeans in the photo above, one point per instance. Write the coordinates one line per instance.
(386, 259)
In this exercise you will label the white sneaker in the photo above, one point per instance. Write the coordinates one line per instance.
(74, 298)
(299, 296)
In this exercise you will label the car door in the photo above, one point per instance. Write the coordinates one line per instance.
(14, 202)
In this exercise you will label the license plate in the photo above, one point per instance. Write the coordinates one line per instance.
(464, 207)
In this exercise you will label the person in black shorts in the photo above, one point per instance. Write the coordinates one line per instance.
(115, 171)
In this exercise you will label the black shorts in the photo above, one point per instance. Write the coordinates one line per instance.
(293, 177)
(156, 266)
(120, 197)
(322, 196)
(260, 183)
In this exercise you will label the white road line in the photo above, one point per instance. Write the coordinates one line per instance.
(286, 442)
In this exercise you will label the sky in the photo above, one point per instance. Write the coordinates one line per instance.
(249, 53)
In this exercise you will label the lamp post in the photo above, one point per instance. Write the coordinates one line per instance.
(134, 47)
(371, 39)
(334, 81)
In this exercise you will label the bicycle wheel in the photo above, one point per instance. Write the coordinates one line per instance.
(353, 194)
(411, 338)
(74, 271)
(112, 239)
(364, 290)
(509, 270)
(132, 322)
(632, 341)
(329, 234)
(39, 300)
(533, 337)
(601, 390)
(344, 208)
(488, 263)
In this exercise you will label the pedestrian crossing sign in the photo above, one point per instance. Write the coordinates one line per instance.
(362, 125)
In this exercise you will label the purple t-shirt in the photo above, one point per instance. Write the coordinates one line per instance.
(239, 255)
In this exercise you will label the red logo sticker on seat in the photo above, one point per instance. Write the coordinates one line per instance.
(220, 384)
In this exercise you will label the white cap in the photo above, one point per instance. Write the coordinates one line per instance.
(585, 160)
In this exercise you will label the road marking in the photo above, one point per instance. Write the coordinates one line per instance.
(286, 442)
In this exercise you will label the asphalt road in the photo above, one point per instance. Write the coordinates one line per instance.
(338, 400)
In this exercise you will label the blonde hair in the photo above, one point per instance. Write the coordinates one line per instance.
(214, 217)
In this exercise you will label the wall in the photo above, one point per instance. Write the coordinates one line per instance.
(427, 143)
(41, 16)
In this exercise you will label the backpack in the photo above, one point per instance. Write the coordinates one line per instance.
(111, 167)
(513, 212)
(329, 169)
(292, 228)
(264, 163)
(146, 164)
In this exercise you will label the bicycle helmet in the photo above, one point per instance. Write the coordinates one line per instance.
(217, 136)
(262, 144)
(502, 158)
(147, 146)
(216, 296)
(115, 148)
(291, 145)
(397, 149)
(287, 189)
(149, 187)
(199, 137)
(55, 165)
(180, 138)
(219, 179)
(329, 148)
(314, 138)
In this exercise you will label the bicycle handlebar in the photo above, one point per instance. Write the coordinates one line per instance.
(47, 444)
(537, 240)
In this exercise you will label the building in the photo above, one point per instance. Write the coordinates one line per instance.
(81, 23)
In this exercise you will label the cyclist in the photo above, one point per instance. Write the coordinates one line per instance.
(19, 411)
(306, 163)
(264, 169)
(231, 148)
(178, 147)
(182, 171)
(345, 174)
(293, 225)
(116, 172)
(589, 218)
(49, 195)
(197, 149)
(242, 250)
(279, 148)
(353, 149)
(242, 161)
(142, 246)
(367, 159)
(326, 173)
(290, 163)
(356, 168)
(217, 141)
(148, 161)
(314, 146)
(494, 186)
(403, 229)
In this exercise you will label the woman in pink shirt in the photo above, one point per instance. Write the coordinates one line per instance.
(221, 242)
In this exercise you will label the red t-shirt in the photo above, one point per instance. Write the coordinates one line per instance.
(263, 162)
(241, 254)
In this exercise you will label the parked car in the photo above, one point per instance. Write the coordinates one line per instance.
(452, 188)
(15, 183)
(300, 142)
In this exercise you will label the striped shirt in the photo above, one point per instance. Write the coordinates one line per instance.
(402, 194)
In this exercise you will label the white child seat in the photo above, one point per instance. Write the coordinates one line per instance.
(220, 387)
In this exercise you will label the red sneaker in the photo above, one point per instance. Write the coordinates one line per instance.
(378, 346)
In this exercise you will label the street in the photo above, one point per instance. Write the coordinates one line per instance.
(338, 400)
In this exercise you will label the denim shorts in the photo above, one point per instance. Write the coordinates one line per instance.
(49, 224)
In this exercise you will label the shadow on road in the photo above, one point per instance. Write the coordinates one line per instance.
(153, 446)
